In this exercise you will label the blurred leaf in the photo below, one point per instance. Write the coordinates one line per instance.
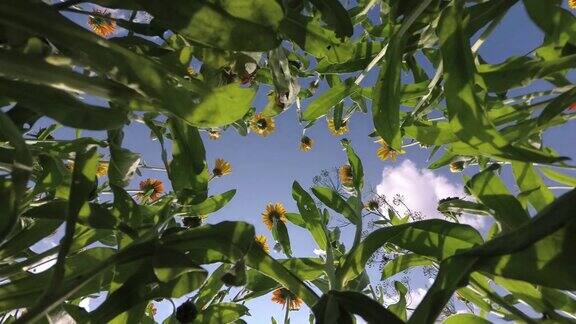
(221, 313)
(123, 162)
(336, 16)
(465, 319)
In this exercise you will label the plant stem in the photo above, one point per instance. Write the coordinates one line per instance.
(358, 234)
(286, 317)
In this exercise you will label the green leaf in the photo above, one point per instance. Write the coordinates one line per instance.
(433, 238)
(211, 286)
(170, 264)
(311, 217)
(241, 25)
(11, 192)
(336, 16)
(532, 185)
(403, 262)
(333, 200)
(221, 313)
(123, 162)
(468, 119)
(27, 236)
(328, 99)
(557, 22)
(211, 204)
(335, 307)
(399, 308)
(63, 107)
(489, 188)
(539, 251)
(557, 106)
(465, 319)
(188, 170)
(280, 234)
(559, 177)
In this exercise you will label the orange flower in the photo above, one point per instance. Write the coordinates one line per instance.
(572, 107)
(262, 242)
(306, 144)
(274, 213)
(346, 176)
(100, 24)
(283, 296)
(151, 189)
(572, 4)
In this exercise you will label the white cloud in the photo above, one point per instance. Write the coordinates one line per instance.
(422, 189)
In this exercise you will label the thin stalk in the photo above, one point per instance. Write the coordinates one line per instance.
(358, 234)
(286, 315)
(500, 301)
(486, 33)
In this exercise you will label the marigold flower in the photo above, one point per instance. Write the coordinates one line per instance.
(306, 143)
(151, 189)
(572, 4)
(221, 168)
(340, 131)
(346, 176)
(385, 152)
(274, 212)
(262, 125)
(283, 296)
(100, 24)
(262, 242)
(214, 134)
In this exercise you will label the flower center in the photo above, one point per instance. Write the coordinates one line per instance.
(261, 123)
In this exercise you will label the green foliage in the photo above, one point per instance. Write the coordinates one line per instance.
(133, 247)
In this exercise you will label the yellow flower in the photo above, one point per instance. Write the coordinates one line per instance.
(214, 134)
(102, 169)
(221, 168)
(346, 176)
(572, 4)
(262, 242)
(191, 72)
(151, 310)
(385, 152)
(150, 189)
(372, 205)
(262, 125)
(100, 24)
(457, 166)
(283, 295)
(306, 143)
(340, 131)
(274, 212)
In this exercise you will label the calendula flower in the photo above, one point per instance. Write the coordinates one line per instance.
(151, 310)
(572, 4)
(221, 168)
(274, 212)
(262, 125)
(262, 242)
(284, 296)
(346, 176)
(340, 131)
(100, 24)
(102, 169)
(214, 134)
(306, 143)
(457, 166)
(151, 189)
(385, 152)
(372, 205)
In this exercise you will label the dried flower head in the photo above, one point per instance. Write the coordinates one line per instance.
(346, 176)
(373, 204)
(151, 189)
(221, 168)
(343, 129)
(102, 169)
(262, 242)
(100, 24)
(306, 143)
(214, 134)
(457, 166)
(262, 125)
(284, 296)
(274, 213)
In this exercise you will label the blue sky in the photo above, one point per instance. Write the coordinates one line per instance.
(264, 168)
